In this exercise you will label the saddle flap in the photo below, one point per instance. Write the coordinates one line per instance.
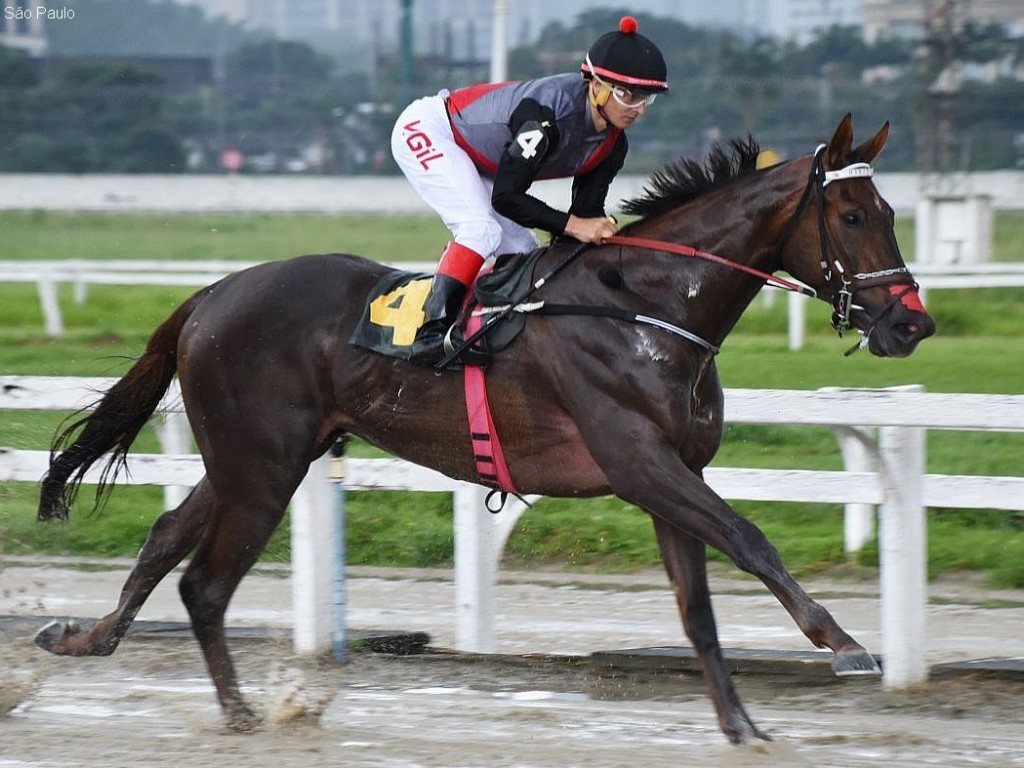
(509, 280)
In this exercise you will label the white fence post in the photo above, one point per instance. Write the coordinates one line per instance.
(858, 519)
(475, 571)
(175, 437)
(313, 538)
(902, 556)
(797, 306)
(47, 290)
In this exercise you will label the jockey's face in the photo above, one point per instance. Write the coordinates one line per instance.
(622, 107)
(622, 116)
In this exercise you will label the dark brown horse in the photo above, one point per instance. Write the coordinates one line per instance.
(585, 406)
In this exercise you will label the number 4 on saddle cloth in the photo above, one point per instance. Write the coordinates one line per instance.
(394, 310)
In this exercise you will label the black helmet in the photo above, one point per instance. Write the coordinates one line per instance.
(627, 58)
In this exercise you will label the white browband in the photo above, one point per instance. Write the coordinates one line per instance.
(854, 171)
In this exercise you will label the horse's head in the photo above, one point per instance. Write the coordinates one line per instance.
(840, 241)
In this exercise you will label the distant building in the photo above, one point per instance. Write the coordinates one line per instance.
(21, 26)
(910, 18)
(802, 20)
(467, 23)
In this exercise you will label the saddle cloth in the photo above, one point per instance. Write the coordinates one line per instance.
(394, 307)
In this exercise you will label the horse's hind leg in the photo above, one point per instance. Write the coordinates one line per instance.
(171, 538)
(232, 545)
(686, 563)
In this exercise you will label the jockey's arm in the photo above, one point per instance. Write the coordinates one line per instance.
(534, 134)
(587, 220)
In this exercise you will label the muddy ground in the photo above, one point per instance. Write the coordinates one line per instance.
(151, 702)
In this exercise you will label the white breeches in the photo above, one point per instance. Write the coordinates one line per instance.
(449, 182)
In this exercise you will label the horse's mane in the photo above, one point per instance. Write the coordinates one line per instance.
(685, 179)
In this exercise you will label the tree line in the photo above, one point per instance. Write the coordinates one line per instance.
(289, 107)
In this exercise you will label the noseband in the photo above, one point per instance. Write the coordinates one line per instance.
(831, 266)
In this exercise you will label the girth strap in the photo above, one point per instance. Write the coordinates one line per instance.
(487, 452)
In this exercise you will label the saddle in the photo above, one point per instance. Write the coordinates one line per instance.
(394, 308)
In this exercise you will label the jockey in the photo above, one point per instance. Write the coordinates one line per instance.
(472, 154)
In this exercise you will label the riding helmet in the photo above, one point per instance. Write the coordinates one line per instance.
(627, 58)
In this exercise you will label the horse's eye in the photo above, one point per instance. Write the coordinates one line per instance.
(852, 219)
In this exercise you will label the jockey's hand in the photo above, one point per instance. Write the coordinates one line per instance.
(591, 230)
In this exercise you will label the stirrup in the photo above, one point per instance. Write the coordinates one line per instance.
(473, 355)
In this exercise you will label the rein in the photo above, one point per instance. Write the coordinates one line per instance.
(686, 250)
(841, 300)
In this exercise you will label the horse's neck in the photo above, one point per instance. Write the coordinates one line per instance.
(715, 295)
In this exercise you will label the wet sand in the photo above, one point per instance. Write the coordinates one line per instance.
(537, 704)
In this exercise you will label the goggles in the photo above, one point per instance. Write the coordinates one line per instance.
(624, 96)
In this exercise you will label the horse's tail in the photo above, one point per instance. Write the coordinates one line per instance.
(115, 422)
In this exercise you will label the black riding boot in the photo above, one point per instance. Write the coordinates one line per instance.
(441, 307)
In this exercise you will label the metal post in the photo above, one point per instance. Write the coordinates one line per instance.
(408, 53)
(499, 42)
(337, 475)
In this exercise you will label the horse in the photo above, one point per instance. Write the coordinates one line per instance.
(585, 405)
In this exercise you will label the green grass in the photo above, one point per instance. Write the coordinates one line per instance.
(253, 237)
(978, 349)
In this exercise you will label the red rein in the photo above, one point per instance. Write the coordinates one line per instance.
(686, 250)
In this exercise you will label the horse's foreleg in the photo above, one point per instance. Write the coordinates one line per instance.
(713, 521)
(669, 490)
(751, 551)
(170, 539)
(685, 561)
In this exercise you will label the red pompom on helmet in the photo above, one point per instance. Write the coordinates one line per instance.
(627, 58)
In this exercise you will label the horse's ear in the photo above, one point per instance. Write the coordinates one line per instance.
(839, 146)
(870, 149)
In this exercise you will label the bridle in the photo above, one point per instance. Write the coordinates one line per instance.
(831, 265)
(842, 298)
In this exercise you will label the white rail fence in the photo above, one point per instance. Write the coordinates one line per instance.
(48, 275)
(881, 433)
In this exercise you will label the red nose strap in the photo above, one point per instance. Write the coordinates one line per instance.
(909, 299)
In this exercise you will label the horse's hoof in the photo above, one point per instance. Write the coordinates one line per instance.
(855, 662)
(749, 734)
(58, 511)
(739, 729)
(50, 636)
(244, 720)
